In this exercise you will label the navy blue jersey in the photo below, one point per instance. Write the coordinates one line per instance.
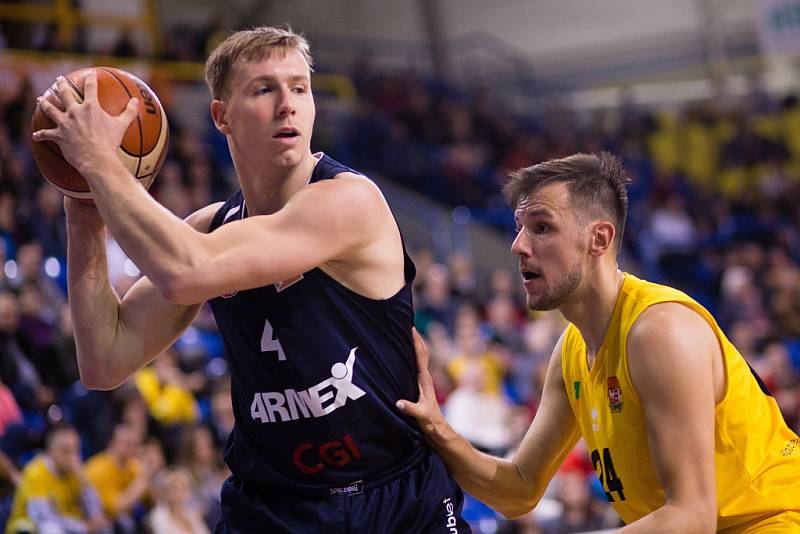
(316, 370)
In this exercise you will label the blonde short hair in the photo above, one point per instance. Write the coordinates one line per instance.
(249, 45)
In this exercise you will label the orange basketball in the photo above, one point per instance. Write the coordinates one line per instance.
(143, 147)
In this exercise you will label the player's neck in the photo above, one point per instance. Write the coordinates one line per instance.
(267, 190)
(593, 307)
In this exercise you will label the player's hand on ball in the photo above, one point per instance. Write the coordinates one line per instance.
(426, 410)
(84, 130)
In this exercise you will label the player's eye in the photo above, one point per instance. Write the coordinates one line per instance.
(263, 90)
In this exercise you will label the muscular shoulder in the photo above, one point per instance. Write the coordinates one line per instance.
(350, 199)
(669, 342)
(349, 188)
(668, 323)
(201, 219)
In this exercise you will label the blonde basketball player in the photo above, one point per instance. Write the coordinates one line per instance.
(682, 434)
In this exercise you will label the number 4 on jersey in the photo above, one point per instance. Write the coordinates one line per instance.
(270, 343)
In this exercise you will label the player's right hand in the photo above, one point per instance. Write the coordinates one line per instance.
(426, 410)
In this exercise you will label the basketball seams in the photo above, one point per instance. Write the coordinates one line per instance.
(138, 122)
(74, 88)
(52, 147)
(155, 158)
(152, 129)
(159, 121)
(57, 153)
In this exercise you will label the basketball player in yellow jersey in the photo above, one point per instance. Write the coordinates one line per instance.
(681, 433)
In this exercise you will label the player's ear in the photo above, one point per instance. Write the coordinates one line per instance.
(603, 233)
(219, 112)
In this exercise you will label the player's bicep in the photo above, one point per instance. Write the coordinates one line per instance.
(554, 431)
(671, 350)
(320, 224)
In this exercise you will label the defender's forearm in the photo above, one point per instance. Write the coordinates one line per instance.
(495, 481)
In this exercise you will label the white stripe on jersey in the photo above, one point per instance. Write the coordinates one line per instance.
(231, 212)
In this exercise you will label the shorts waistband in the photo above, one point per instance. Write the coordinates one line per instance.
(416, 458)
(355, 487)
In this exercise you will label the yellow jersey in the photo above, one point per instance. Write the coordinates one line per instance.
(39, 481)
(110, 479)
(757, 456)
(169, 404)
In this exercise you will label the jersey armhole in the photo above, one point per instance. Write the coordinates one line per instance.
(714, 329)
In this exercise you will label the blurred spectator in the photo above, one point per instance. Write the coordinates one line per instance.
(31, 273)
(16, 369)
(462, 276)
(472, 351)
(10, 413)
(776, 370)
(435, 302)
(9, 480)
(221, 420)
(122, 477)
(503, 324)
(581, 511)
(174, 512)
(674, 238)
(481, 416)
(47, 222)
(53, 494)
(163, 386)
(202, 461)
(477, 407)
(9, 233)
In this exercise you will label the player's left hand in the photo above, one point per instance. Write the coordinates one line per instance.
(426, 410)
(84, 130)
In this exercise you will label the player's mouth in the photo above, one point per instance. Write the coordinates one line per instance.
(530, 277)
(287, 135)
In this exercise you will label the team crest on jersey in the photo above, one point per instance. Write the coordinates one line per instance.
(279, 286)
(283, 284)
(614, 394)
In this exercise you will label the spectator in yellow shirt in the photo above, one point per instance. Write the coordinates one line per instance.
(122, 479)
(54, 495)
(166, 390)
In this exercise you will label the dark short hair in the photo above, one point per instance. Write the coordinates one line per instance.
(249, 45)
(596, 184)
(55, 430)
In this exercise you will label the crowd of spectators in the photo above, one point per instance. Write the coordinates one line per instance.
(715, 210)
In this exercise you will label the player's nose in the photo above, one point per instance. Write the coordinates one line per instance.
(520, 246)
(285, 103)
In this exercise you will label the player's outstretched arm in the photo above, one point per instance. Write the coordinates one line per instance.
(511, 486)
(671, 355)
(115, 338)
